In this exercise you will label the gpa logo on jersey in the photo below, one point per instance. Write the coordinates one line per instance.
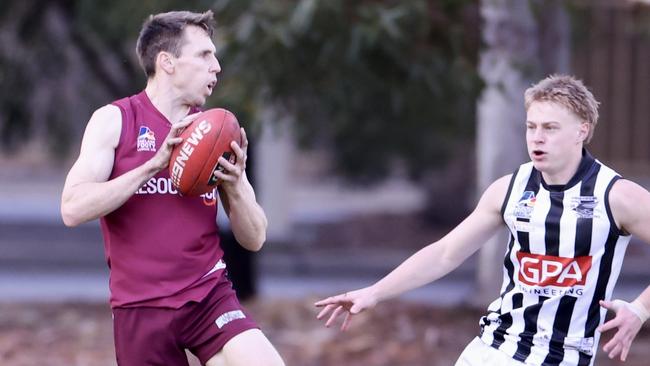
(146, 139)
(584, 206)
(525, 205)
(547, 270)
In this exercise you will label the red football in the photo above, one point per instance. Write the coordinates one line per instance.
(194, 160)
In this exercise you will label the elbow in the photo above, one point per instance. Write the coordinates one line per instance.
(250, 237)
(255, 249)
(258, 243)
(254, 244)
(68, 216)
(450, 260)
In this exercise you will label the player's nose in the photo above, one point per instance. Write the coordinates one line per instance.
(215, 67)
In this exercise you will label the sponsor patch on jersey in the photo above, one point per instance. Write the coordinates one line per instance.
(523, 226)
(226, 318)
(146, 139)
(547, 270)
(584, 206)
(162, 185)
(584, 345)
(525, 205)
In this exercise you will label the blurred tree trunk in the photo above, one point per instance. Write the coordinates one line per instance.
(524, 41)
(59, 70)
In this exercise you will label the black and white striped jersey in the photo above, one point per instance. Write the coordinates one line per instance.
(564, 255)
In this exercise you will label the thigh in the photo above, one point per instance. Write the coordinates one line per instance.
(248, 348)
(145, 336)
(212, 323)
(478, 353)
(471, 355)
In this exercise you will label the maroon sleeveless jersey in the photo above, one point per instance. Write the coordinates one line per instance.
(162, 248)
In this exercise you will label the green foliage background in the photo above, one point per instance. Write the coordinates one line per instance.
(385, 83)
(381, 83)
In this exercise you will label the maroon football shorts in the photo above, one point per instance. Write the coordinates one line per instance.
(159, 336)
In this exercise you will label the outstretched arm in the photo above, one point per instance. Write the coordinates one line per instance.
(630, 204)
(430, 263)
(87, 193)
(247, 218)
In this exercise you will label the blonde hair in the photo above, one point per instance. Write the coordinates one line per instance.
(568, 92)
(164, 32)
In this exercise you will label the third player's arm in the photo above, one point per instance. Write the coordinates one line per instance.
(428, 264)
(439, 258)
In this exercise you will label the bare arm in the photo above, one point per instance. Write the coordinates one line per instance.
(630, 205)
(87, 193)
(430, 263)
(247, 218)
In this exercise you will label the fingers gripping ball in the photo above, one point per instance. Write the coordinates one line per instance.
(193, 161)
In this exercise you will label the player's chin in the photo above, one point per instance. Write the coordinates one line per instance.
(199, 100)
(541, 166)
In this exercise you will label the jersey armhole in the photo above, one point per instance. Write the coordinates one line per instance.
(123, 124)
(508, 192)
(123, 129)
(608, 209)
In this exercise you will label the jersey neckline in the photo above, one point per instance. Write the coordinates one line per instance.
(585, 166)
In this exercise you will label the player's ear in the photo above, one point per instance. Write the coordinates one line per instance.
(583, 132)
(165, 62)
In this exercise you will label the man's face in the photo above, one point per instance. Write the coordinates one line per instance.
(196, 69)
(554, 136)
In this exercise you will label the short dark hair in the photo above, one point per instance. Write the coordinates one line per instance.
(569, 92)
(164, 32)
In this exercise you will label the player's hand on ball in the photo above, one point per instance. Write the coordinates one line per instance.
(349, 303)
(230, 174)
(160, 161)
(627, 322)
